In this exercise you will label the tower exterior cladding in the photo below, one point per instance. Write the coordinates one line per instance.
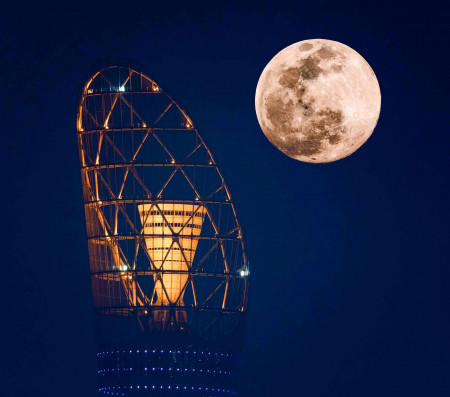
(168, 268)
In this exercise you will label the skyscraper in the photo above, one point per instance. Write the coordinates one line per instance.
(168, 267)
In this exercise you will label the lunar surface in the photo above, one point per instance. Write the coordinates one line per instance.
(318, 101)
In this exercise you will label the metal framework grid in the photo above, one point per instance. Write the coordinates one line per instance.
(165, 245)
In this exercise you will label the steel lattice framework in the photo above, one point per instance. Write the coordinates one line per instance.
(165, 245)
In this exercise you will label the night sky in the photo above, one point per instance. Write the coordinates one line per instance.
(349, 265)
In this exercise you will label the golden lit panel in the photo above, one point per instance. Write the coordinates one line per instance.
(170, 247)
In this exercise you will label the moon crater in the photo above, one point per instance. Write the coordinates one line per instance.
(317, 101)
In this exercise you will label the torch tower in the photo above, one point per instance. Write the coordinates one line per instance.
(168, 267)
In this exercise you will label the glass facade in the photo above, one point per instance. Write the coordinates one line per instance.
(183, 372)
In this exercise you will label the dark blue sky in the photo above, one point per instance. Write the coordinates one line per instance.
(349, 260)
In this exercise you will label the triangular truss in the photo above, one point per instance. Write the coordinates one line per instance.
(164, 240)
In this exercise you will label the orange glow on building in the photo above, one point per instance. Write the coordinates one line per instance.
(166, 252)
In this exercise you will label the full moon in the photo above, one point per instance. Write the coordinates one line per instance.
(318, 101)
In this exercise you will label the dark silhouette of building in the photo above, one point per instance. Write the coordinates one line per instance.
(168, 267)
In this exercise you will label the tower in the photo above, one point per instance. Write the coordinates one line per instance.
(168, 267)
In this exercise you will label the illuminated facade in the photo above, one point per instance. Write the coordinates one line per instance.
(168, 267)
